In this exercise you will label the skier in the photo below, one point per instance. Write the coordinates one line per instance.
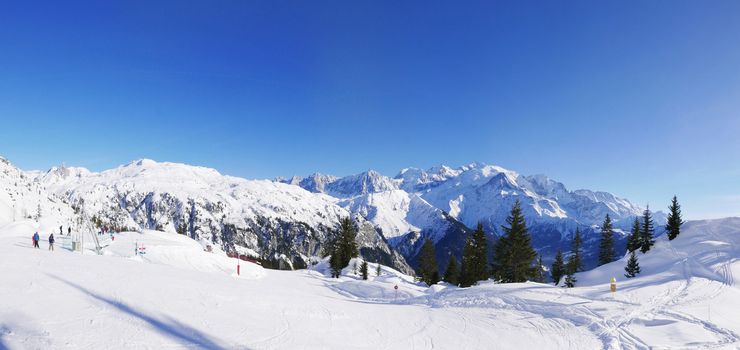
(51, 242)
(36, 240)
(60, 230)
(69, 231)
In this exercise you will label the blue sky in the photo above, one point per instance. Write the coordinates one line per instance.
(641, 99)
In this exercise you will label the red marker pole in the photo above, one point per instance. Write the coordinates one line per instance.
(238, 265)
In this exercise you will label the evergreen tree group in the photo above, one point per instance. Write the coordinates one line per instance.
(513, 258)
(673, 226)
(646, 231)
(342, 247)
(428, 270)
(606, 246)
(475, 259)
(452, 275)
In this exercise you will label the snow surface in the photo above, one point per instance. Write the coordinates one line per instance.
(178, 296)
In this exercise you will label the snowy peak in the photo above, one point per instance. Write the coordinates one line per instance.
(368, 182)
(317, 182)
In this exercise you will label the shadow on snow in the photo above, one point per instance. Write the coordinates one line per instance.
(168, 326)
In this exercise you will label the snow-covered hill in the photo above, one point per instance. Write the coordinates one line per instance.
(257, 217)
(178, 296)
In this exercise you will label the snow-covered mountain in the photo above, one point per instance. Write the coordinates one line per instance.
(257, 217)
(293, 216)
(445, 202)
(23, 198)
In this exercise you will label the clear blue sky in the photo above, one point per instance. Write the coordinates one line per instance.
(637, 98)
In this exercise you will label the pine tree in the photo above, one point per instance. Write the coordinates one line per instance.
(514, 255)
(428, 271)
(576, 260)
(606, 246)
(475, 259)
(539, 275)
(363, 269)
(633, 242)
(646, 232)
(633, 267)
(336, 265)
(673, 227)
(558, 269)
(378, 270)
(342, 247)
(451, 274)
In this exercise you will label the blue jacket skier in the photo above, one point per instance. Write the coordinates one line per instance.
(36, 240)
(51, 242)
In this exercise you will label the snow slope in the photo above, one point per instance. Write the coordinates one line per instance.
(178, 296)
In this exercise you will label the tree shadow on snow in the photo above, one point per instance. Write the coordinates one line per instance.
(168, 326)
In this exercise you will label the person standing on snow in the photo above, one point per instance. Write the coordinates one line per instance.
(36, 240)
(69, 231)
(51, 242)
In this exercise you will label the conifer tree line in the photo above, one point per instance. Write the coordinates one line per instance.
(514, 259)
(641, 237)
(575, 262)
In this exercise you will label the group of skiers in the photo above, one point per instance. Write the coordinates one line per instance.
(36, 239)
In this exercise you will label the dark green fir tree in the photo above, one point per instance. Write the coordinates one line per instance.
(633, 267)
(633, 241)
(558, 268)
(343, 247)
(646, 231)
(428, 271)
(475, 259)
(452, 275)
(363, 269)
(513, 255)
(606, 245)
(673, 227)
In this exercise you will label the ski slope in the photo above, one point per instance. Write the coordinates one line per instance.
(178, 296)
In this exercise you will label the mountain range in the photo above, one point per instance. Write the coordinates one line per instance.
(291, 219)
